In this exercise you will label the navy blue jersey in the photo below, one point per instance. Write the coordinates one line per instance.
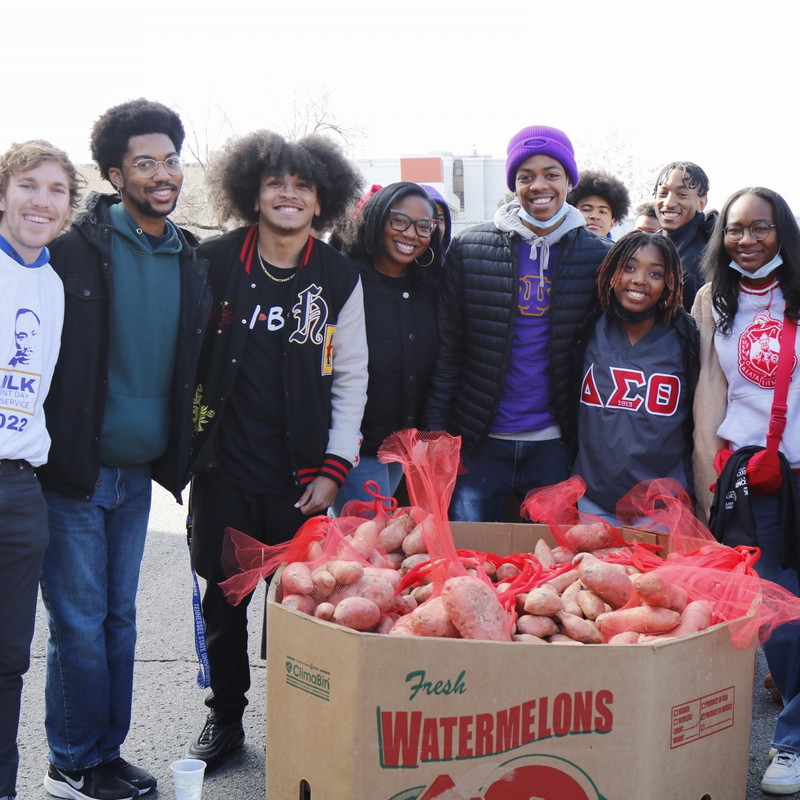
(633, 405)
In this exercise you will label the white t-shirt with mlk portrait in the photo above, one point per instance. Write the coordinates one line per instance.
(31, 316)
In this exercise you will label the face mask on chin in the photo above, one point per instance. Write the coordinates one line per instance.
(547, 223)
(761, 272)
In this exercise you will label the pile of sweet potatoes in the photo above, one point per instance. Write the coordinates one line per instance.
(380, 578)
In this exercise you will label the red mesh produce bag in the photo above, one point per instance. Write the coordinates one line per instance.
(378, 506)
(247, 562)
(705, 569)
(556, 506)
(430, 463)
(328, 561)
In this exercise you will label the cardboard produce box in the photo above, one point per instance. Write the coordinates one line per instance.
(359, 716)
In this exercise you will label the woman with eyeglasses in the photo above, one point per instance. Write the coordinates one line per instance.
(397, 249)
(749, 349)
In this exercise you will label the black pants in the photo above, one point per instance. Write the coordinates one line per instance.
(216, 505)
(23, 539)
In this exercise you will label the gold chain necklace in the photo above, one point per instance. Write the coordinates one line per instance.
(269, 274)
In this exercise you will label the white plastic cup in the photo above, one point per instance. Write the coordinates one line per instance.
(187, 777)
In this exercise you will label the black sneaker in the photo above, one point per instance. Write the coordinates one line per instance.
(97, 783)
(218, 738)
(140, 779)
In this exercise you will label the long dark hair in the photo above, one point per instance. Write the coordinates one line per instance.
(725, 281)
(610, 271)
(371, 222)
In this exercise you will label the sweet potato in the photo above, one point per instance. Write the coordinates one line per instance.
(431, 619)
(562, 555)
(324, 611)
(475, 610)
(507, 572)
(299, 602)
(364, 538)
(542, 601)
(374, 587)
(345, 572)
(657, 590)
(626, 637)
(694, 618)
(402, 627)
(527, 638)
(577, 628)
(542, 551)
(490, 570)
(642, 619)
(296, 578)
(594, 536)
(410, 562)
(391, 537)
(414, 542)
(391, 575)
(394, 560)
(358, 613)
(423, 593)
(569, 598)
(536, 625)
(378, 559)
(562, 638)
(324, 583)
(405, 603)
(609, 581)
(315, 551)
(385, 623)
(560, 582)
(590, 604)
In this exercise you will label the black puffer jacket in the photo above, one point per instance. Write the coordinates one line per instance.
(477, 313)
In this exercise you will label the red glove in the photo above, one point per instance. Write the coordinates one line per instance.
(764, 474)
(721, 459)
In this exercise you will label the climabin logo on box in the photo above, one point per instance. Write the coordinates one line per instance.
(308, 678)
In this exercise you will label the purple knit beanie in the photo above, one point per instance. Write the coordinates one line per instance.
(540, 139)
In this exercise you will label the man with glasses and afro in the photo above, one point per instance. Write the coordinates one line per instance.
(119, 413)
(282, 383)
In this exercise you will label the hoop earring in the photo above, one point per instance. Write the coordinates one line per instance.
(428, 263)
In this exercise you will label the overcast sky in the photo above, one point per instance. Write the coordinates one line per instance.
(711, 81)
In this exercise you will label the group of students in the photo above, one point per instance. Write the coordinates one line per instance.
(253, 362)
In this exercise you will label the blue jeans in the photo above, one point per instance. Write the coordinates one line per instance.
(387, 476)
(502, 466)
(89, 581)
(782, 649)
(23, 539)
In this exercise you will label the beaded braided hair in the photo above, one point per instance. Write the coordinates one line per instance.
(610, 271)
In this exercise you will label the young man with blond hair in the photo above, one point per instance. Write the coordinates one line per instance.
(38, 189)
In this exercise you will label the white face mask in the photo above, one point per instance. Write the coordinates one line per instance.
(761, 272)
(547, 223)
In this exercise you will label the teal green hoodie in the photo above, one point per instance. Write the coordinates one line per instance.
(144, 337)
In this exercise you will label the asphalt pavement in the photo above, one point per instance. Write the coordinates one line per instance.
(168, 706)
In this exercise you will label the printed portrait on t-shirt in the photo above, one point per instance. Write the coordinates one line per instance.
(26, 337)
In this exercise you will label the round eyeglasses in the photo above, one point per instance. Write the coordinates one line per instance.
(400, 221)
(147, 167)
(758, 230)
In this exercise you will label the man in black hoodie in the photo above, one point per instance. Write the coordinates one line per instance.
(681, 194)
